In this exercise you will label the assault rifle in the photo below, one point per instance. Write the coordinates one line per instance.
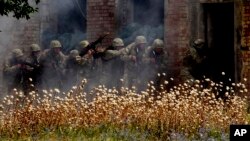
(29, 64)
(93, 45)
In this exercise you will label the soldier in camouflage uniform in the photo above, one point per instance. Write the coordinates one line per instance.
(73, 68)
(134, 65)
(15, 72)
(33, 61)
(192, 60)
(87, 64)
(112, 64)
(86, 60)
(83, 45)
(53, 63)
(156, 62)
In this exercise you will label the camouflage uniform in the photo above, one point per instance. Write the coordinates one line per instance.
(87, 69)
(86, 60)
(73, 69)
(34, 60)
(16, 74)
(83, 44)
(134, 65)
(53, 63)
(192, 59)
(156, 62)
(112, 65)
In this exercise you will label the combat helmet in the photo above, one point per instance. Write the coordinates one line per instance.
(158, 43)
(199, 43)
(84, 43)
(140, 40)
(17, 53)
(117, 42)
(55, 44)
(35, 47)
(74, 53)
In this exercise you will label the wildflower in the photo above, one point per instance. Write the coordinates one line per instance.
(45, 91)
(30, 79)
(74, 87)
(165, 82)
(207, 79)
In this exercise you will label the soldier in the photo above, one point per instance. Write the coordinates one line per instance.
(134, 66)
(156, 60)
(16, 73)
(83, 45)
(112, 64)
(192, 61)
(53, 63)
(73, 68)
(86, 59)
(33, 60)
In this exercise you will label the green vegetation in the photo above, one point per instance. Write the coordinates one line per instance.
(19, 8)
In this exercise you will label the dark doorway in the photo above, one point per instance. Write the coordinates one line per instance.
(219, 24)
(70, 24)
(149, 12)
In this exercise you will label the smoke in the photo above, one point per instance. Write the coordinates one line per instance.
(148, 20)
(8, 28)
(129, 33)
(66, 21)
(60, 19)
(71, 24)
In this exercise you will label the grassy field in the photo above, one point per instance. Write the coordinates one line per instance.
(188, 111)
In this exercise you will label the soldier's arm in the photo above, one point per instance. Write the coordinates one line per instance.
(125, 53)
(8, 68)
(63, 60)
(110, 54)
(87, 58)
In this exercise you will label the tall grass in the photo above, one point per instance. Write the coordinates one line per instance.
(192, 110)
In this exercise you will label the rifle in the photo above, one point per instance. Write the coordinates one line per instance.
(93, 45)
(30, 64)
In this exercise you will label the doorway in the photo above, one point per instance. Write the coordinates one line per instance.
(219, 34)
(68, 24)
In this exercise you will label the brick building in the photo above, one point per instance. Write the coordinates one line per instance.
(224, 24)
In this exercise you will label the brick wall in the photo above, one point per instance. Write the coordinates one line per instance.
(21, 33)
(26, 33)
(245, 42)
(124, 12)
(176, 32)
(101, 20)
